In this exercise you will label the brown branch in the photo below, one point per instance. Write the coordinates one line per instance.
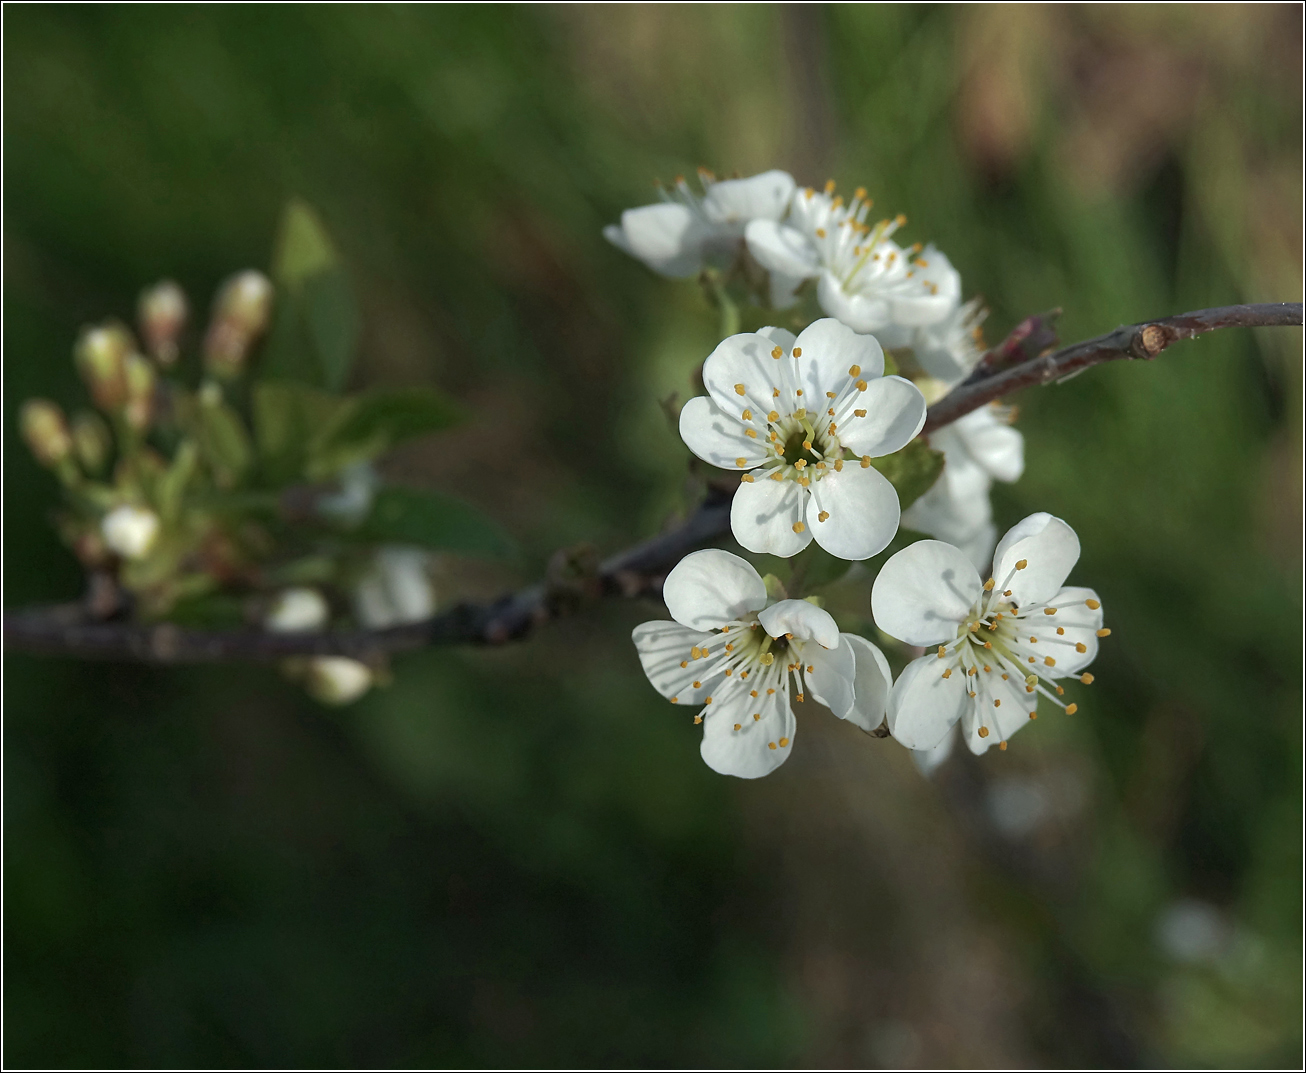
(69, 630)
(1135, 341)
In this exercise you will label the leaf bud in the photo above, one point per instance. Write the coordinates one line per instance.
(241, 312)
(45, 431)
(141, 382)
(101, 357)
(161, 314)
(91, 441)
(130, 531)
(337, 679)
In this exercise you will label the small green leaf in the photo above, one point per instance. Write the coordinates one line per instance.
(172, 485)
(375, 421)
(433, 520)
(224, 442)
(912, 471)
(304, 249)
(287, 415)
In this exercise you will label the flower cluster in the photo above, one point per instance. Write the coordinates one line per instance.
(810, 423)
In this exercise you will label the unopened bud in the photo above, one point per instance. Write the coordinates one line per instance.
(91, 441)
(298, 610)
(161, 313)
(337, 679)
(395, 589)
(240, 315)
(141, 381)
(101, 356)
(130, 531)
(45, 431)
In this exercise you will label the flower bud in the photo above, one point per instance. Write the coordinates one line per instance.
(240, 315)
(45, 431)
(101, 356)
(141, 381)
(337, 679)
(91, 441)
(161, 314)
(396, 589)
(299, 610)
(130, 531)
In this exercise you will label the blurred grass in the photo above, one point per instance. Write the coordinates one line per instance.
(517, 858)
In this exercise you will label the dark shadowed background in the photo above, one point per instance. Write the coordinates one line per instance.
(516, 857)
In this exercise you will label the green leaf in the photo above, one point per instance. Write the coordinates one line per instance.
(224, 442)
(433, 520)
(375, 421)
(316, 323)
(287, 416)
(172, 485)
(912, 471)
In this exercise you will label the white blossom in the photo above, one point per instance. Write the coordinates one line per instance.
(352, 501)
(978, 449)
(130, 531)
(804, 417)
(1000, 644)
(297, 610)
(864, 278)
(337, 679)
(395, 589)
(731, 655)
(684, 232)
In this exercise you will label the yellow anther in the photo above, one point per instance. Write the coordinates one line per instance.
(757, 716)
(942, 651)
(698, 685)
(798, 352)
(823, 515)
(988, 644)
(800, 464)
(1031, 659)
(860, 192)
(987, 668)
(831, 394)
(675, 700)
(900, 220)
(752, 692)
(777, 476)
(1061, 631)
(789, 635)
(807, 445)
(1005, 677)
(1080, 646)
(983, 732)
(988, 585)
(739, 726)
(769, 692)
(1092, 605)
(784, 742)
(739, 389)
(745, 478)
(866, 461)
(1006, 592)
(947, 673)
(1060, 692)
(698, 719)
(694, 652)
(1049, 661)
(773, 416)
(804, 481)
(800, 413)
(810, 668)
(854, 370)
(751, 433)
(1086, 678)
(741, 462)
(861, 385)
(830, 431)
(1104, 633)
(778, 352)
(829, 186)
(1032, 639)
(684, 663)
(820, 232)
(729, 671)
(859, 413)
(770, 745)
(997, 703)
(766, 659)
(775, 393)
(798, 697)
(1049, 610)
(707, 700)
(1033, 715)
(1022, 564)
(838, 465)
(799, 391)
(747, 415)
(1002, 745)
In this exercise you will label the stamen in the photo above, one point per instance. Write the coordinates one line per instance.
(784, 742)
(798, 352)
(1086, 678)
(1104, 633)
(1022, 564)
(983, 732)
(739, 389)
(859, 413)
(823, 515)
(741, 462)
(1092, 605)
(1071, 709)
(866, 462)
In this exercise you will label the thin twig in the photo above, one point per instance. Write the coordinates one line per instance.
(69, 630)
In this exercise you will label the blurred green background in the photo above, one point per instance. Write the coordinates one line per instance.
(516, 857)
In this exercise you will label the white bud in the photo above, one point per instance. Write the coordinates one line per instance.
(396, 589)
(297, 611)
(337, 679)
(130, 531)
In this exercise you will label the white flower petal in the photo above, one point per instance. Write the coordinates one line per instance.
(764, 513)
(711, 588)
(1048, 547)
(1077, 619)
(1000, 720)
(895, 414)
(717, 437)
(862, 512)
(928, 760)
(741, 372)
(736, 201)
(805, 621)
(830, 351)
(923, 705)
(860, 313)
(872, 681)
(663, 647)
(667, 237)
(994, 445)
(930, 295)
(964, 521)
(783, 336)
(830, 674)
(924, 592)
(754, 749)
(779, 248)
